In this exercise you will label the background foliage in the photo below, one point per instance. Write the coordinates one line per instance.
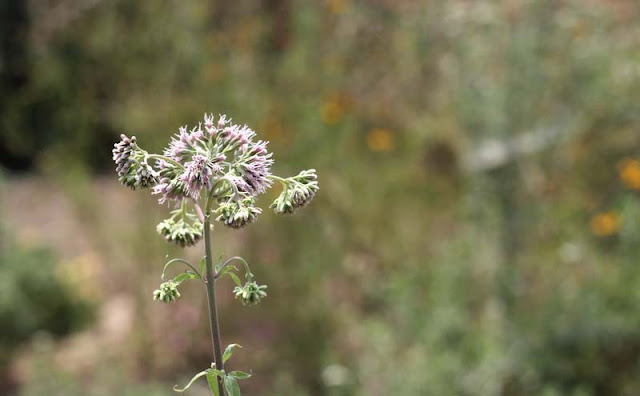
(476, 228)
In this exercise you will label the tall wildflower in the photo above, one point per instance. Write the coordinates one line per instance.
(213, 171)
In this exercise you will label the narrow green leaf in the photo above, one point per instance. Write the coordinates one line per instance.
(229, 351)
(219, 262)
(195, 377)
(203, 266)
(230, 268)
(239, 375)
(212, 380)
(231, 386)
(184, 276)
(235, 278)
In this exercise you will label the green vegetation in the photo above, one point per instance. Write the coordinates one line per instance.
(477, 228)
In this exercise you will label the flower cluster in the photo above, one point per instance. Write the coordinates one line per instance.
(238, 213)
(298, 192)
(180, 232)
(218, 160)
(251, 293)
(131, 165)
(167, 293)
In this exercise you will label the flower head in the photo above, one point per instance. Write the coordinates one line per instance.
(298, 192)
(123, 153)
(218, 159)
(238, 213)
(251, 293)
(131, 165)
(146, 176)
(180, 232)
(255, 171)
(197, 175)
(167, 293)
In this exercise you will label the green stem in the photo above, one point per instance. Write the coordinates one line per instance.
(278, 178)
(179, 260)
(232, 185)
(166, 159)
(211, 298)
(247, 270)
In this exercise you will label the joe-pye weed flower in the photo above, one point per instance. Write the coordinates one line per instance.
(211, 172)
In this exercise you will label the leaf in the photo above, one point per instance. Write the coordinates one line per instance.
(213, 384)
(195, 377)
(239, 375)
(219, 263)
(231, 386)
(212, 380)
(203, 266)
(229, 351)
(235, 278)
(184, 276)
(229, 268)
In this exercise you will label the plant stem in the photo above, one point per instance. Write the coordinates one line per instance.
(211, 298)
(179, 260)
(166, 159)
(247, 270)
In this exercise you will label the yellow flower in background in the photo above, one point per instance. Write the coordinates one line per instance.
(337, 6)
(380, 139)
(629, 170)
(335, 106)
(82, 275)
(606, 224)
(332, 112)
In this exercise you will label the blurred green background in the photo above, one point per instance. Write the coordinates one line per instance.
(477, 230)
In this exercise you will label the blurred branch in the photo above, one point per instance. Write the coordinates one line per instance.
(496, 153)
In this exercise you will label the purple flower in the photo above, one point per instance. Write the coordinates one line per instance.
(123, 152)
(235, 136)
(208, 120)
(222, 121)
(255, 168)
(170, 189)
(131, 165)
(169, 186)
(208, 125)
(198, 174)
(197, 133)
(178, 149)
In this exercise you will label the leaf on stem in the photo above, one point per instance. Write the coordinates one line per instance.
(239, 375)
(195, 377)
(184, 276)
(212, 380)
(229, 351)
(235, 278)
(231, 386)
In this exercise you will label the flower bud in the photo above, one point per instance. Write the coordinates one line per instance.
(131, 166)
(180, 232)
(167, 293)
(146, 176)
(123, 153)
(237, 214)
(298, 193)
(251, 293)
